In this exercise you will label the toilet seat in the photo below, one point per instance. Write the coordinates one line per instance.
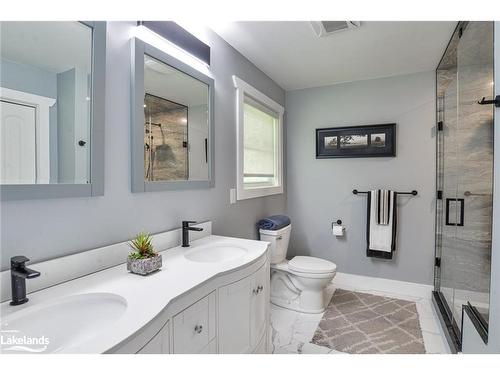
(305, 264)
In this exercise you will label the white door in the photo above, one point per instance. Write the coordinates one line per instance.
(235, 309)
(18, 143)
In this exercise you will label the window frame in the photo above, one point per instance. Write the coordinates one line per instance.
(244, 89)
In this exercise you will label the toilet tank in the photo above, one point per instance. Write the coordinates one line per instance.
(279, 240)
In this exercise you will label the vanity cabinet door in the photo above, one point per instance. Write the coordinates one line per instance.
(194, 328)
(159, 344)
(235, 308)
(260, 303)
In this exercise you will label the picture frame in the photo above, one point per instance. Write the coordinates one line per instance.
(356, 141)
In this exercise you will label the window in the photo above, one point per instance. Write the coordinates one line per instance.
(259, 122)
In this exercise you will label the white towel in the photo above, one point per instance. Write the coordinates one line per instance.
(381, 236)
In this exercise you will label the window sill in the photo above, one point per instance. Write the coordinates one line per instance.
(243, 194)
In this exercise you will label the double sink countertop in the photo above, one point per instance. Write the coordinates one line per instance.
(94, 313)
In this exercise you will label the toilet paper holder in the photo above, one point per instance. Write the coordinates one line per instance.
(338, 224)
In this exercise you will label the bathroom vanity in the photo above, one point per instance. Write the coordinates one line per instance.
(228, 313)
(212, 297)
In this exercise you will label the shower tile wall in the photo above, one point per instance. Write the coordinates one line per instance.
(165, 133)
(467, 169)
(475, 139)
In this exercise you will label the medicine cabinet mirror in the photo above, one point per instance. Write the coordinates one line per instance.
(52, 109)
(171, 123)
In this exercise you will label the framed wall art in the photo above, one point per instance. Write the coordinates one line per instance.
(356, 141)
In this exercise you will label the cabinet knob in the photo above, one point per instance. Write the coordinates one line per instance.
(257, 290)
(198, 328)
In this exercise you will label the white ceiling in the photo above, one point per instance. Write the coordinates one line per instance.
(294, 57)
(51, 46)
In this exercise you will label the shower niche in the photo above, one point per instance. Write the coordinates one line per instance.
(464, 174)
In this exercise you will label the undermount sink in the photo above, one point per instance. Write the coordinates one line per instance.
(60, 324)
(215, 253)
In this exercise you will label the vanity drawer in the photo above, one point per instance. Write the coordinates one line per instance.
(194, 327)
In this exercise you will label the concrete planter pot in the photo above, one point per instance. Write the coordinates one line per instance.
(144, 266)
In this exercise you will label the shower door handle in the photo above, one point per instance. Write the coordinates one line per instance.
(495, 101)
(455, 211)
(469, 194)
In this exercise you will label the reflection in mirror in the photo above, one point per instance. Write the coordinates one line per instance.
(175, 124)
(45, 98)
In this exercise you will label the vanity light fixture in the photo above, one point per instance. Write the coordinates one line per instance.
(158, 41)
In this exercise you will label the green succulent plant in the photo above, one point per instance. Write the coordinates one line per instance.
(142, 246)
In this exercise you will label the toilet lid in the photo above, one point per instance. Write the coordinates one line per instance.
(311, 265)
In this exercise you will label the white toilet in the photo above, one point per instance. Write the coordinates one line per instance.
(297, 284)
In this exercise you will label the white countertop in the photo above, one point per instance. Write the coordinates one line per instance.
(146, 296)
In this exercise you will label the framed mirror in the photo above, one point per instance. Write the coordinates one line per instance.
(52, 109)
(171, 123)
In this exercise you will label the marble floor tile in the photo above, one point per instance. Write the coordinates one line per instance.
(308, 348)
(428, 318)
(292, 331)
(435, 343)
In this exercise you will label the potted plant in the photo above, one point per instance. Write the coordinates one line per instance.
(143, 260)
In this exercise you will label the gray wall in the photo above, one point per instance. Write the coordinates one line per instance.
(27, 78)
(320, 190)
(43, 229)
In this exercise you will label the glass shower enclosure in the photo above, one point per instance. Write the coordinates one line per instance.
(464, 175)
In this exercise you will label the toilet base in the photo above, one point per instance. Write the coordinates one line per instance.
(297, 308)
(301, 294)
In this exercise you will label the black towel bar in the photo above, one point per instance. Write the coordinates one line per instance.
(413, 192)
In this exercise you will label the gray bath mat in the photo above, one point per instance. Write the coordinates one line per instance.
(365, 323)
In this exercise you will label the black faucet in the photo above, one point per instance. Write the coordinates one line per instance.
(185, 232)
(18, 275)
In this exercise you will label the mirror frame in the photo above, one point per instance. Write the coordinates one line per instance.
(96, 185)
(139, 184)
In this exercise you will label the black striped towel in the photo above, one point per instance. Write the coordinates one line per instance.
(383, 206)
(381, 238)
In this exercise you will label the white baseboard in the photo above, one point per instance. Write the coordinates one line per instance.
(373, 284)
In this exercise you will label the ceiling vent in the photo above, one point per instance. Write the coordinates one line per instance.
(325, 28)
